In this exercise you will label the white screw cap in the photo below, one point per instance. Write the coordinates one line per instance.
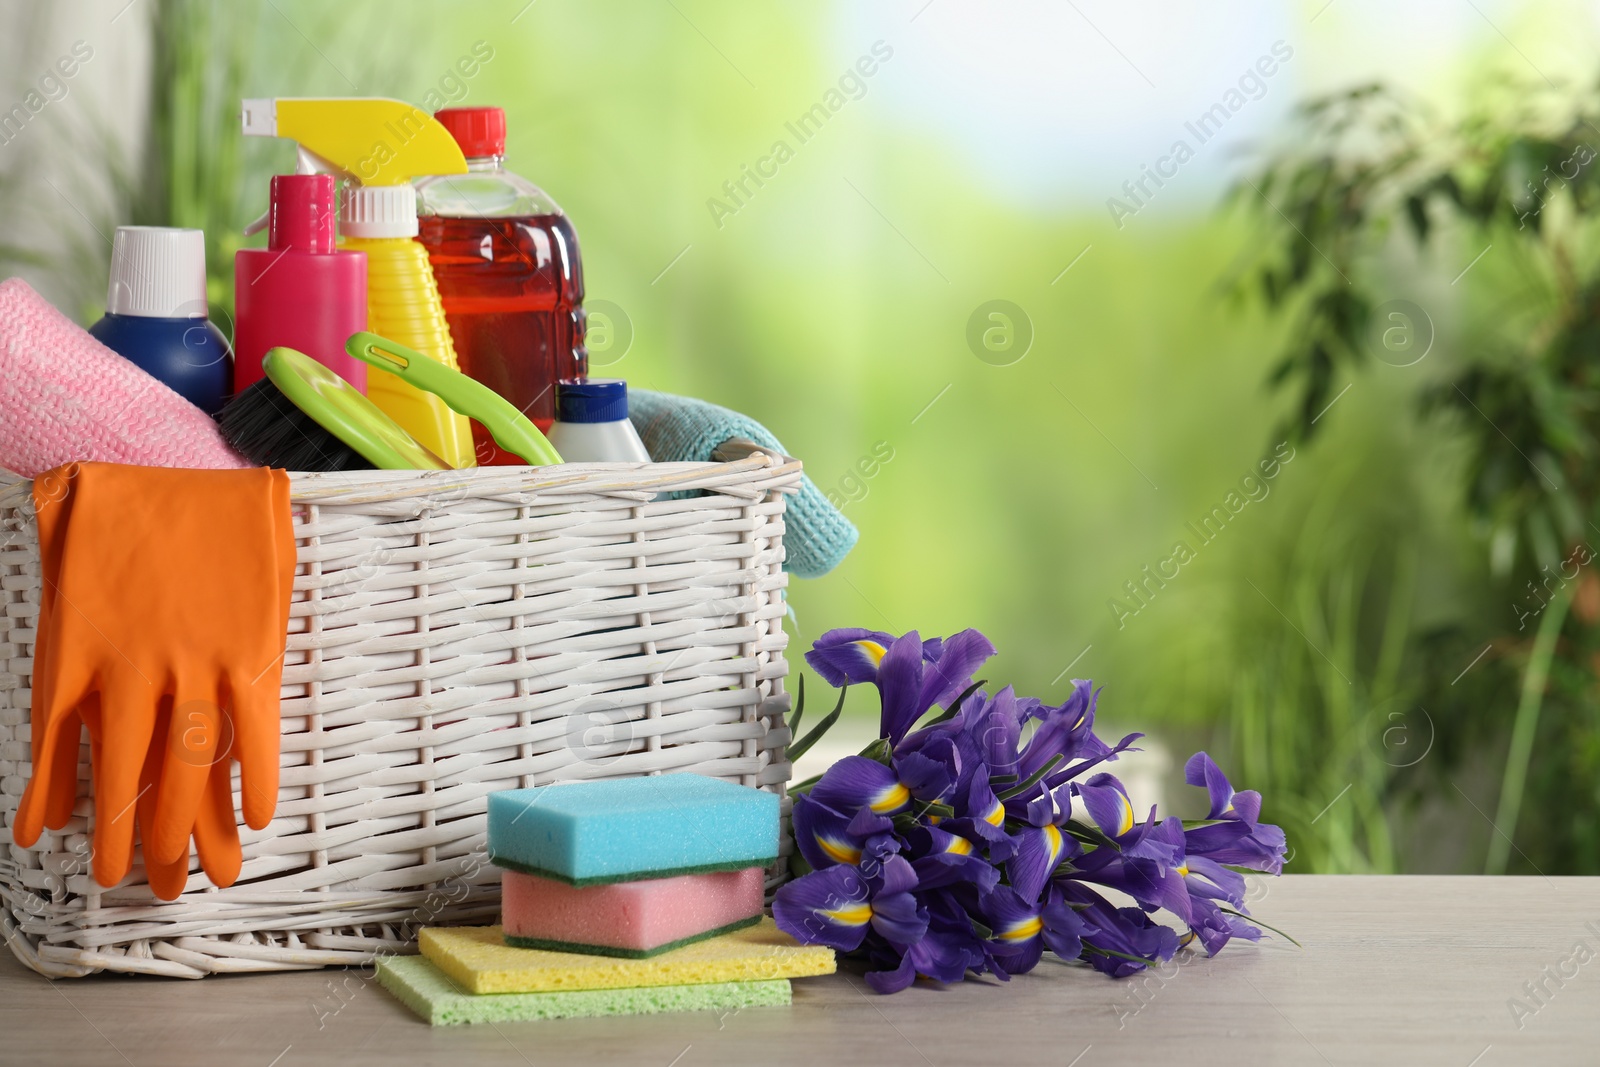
(158, 272)
(379, 211)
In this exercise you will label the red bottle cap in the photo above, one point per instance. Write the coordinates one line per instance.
(480, 131)
(302, 213)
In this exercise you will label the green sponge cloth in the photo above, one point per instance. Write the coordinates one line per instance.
(426, 990)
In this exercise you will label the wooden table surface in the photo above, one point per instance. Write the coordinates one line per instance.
(1405, 970)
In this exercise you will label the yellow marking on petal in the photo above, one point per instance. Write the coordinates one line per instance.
(875, 652)
(997, 814)
(1184, 870)
(1024, 929)
(856, 915)
(960, 846)
(1127, 815)
(934, 820)
(1052, 837)
(839, 852)
(891, 799)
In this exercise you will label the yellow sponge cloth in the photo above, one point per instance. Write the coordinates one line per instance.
(478, 960)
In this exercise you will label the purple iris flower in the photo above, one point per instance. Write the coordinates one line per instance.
(942, 859)
(994, 725)
(1066, 731)
(1236, 837)
(852, 656)
(929, 763)
(912, 675)
(1210, 886)
(827, 837)
(1017, 925)
(1024, 927)
(839, 906)
(1154, 878)
(1042, 845)
(980, 818)
(1118, 933)
(858, 782)
(985, 839)
(945, 953)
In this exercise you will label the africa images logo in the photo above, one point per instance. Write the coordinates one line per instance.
(1252, 85)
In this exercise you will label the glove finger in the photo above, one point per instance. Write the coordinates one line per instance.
(54, 735)
(59, 681)
(216, 829)
(167, 880)
(52, 789)
(63, 790)
(126, 718)
(258, 728)
(191, 747)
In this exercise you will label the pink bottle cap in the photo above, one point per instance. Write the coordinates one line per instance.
(302, 213)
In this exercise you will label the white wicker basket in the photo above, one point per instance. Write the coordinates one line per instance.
(452, 634)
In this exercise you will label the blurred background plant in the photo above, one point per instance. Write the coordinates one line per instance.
(1374, 180)
(1349, 643)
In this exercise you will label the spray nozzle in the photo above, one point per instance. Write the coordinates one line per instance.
(377, 144)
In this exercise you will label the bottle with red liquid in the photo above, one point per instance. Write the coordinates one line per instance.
(510, 277)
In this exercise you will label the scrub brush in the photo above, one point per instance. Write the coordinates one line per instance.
(303, 416)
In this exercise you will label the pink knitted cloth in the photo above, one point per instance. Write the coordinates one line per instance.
(64, 396)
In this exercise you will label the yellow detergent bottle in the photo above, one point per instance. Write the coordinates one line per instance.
(379, 145)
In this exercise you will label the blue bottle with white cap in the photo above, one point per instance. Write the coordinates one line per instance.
(592, 423)
(156, 313)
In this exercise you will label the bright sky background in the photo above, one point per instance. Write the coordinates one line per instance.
(1111, 83)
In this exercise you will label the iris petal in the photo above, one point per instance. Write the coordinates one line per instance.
(1017, 926)
(823, 834)
(932, 771)
(1200, 770)
(1107, 804)
(900, 686)
(1039, 849)
(898, 919)
(960, 656)
(825, 907)
(895, 979)
(856, 782)
(848, 656)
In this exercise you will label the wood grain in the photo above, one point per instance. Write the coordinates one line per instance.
(1404, 970)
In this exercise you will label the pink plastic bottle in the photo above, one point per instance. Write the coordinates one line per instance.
(300, 291)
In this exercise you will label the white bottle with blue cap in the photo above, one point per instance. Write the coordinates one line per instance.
(592, 423)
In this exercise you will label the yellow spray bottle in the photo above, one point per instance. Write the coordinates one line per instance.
(379, 145)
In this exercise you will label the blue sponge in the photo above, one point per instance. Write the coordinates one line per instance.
(625, 829)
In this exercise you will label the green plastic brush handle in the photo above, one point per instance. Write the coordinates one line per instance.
(510, 429)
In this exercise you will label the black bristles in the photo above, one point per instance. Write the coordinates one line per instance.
(264, 427)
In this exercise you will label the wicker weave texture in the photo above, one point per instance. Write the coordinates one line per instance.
(451, 634)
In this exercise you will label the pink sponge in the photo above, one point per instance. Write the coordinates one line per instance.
(631, 919)
(65, 397)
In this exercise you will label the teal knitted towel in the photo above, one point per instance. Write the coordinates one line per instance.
(680, 429)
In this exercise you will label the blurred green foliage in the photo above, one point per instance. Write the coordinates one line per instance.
(1372, 178)
(1310, 645)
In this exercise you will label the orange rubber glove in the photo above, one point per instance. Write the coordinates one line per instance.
(161, 629)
